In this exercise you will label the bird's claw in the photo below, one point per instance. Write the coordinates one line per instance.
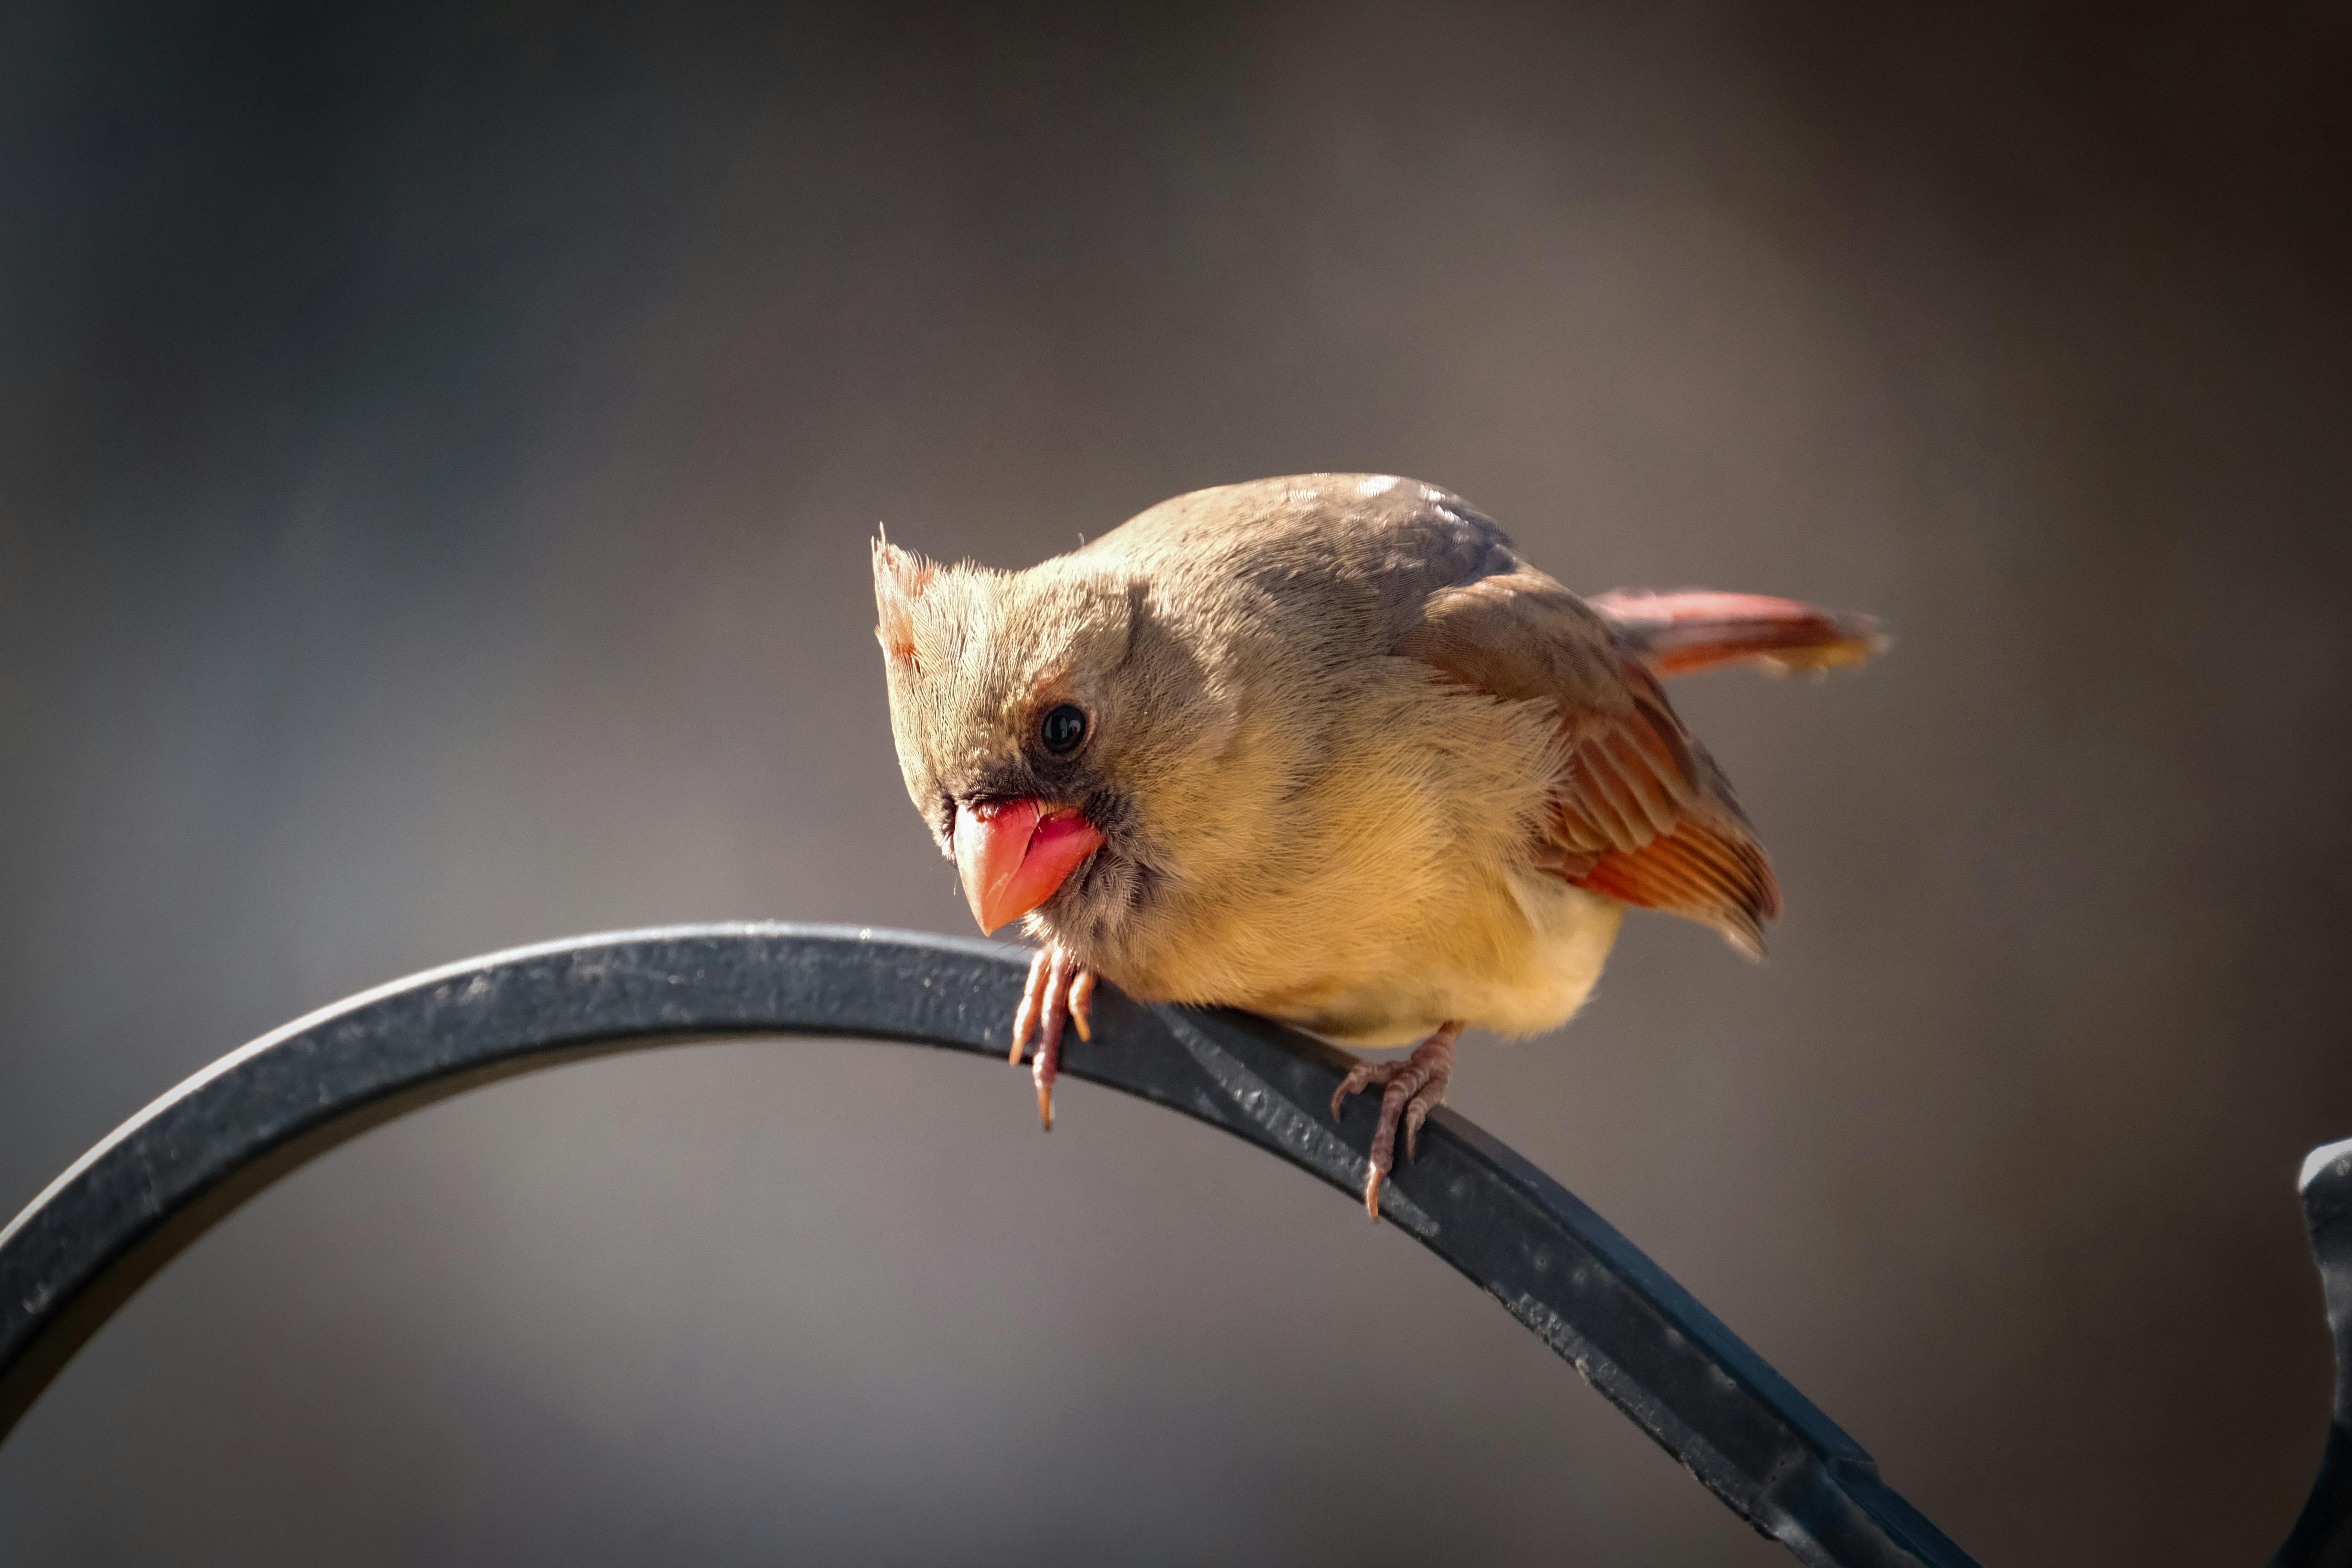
(1060, 990)
(1411, 1088)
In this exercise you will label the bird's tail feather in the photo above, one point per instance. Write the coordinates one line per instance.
(1682, 633)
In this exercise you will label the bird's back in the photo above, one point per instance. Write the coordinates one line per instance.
(1364, 550)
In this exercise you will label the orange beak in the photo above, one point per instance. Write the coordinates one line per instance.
(1013, 855)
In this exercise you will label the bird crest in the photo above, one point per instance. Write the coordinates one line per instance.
(900, 577)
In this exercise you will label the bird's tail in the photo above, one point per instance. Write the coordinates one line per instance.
(1680, 633)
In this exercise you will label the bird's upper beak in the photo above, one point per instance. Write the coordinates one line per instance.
(1014, 855)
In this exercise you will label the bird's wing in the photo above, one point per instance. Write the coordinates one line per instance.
(1643, 814)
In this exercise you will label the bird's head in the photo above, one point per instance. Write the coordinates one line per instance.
(1041, 718)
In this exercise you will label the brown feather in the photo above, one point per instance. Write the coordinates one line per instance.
(1642, 813)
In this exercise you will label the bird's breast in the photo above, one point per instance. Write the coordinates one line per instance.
(1522, 970)
(1387, 888)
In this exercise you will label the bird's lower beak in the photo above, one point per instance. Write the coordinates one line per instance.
(1012, 856)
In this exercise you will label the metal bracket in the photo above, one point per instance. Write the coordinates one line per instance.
(2322, 1537)
(130, 1205)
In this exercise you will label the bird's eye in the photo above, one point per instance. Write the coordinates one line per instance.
(1063, 729)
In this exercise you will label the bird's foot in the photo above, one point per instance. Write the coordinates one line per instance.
(1060, 991)
(1411, 1089)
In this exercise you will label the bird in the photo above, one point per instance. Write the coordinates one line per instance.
(1328, 748)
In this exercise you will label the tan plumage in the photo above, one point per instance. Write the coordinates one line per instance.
(1354, 763)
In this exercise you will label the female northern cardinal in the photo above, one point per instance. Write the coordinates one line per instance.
(1326, 748)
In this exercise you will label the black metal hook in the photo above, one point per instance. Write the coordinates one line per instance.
(2322, 1537)
(157, 1183)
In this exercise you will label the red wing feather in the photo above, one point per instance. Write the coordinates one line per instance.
(1658, 828)
(1719, 878)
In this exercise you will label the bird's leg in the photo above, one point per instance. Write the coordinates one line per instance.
(1060, 990)
(1411, 1088)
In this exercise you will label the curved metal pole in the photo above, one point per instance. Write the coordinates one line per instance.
(130, 1205)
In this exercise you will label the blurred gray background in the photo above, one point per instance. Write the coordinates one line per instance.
(437, 451)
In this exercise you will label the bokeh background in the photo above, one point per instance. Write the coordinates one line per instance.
(437, 449)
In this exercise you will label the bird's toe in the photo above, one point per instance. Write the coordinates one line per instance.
(1058, 992)
(1410, 1090)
